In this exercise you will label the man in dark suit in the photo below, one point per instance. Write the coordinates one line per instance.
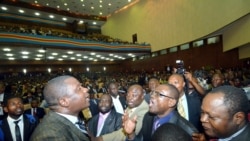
(66, 98)
(3, 97)
(108, 120)
(162, 106)
(26, 123)
(119, 101)
(188, 106)
(36, 111)
(224, 115)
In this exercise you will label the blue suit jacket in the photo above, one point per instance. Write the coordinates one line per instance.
(39, 112)
(29, 122)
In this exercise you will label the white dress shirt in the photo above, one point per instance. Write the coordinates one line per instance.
(12, 126)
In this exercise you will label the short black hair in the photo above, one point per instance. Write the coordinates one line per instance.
(235, 99)
(171, 132)
(11, 97)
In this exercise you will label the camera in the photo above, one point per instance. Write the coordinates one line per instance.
(180, 67)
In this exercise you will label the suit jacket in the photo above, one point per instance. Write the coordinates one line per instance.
(112, 123)
(194, 111)
(39, 112)
(119, 135)
(2, 103)
(243, 136)
(57, 128)
(123, 102)
(148, 121)
(29, 123)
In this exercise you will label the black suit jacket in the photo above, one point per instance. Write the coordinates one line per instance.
(39, 112)
(112, 123)
(146, 131)
(194, 111)
(29, 123)
(2, 103)
(123, 102)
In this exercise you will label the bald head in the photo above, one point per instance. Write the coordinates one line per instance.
(55, 89)
(178, 81)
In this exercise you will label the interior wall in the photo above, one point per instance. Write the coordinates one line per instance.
(168, 23)
(207, 56)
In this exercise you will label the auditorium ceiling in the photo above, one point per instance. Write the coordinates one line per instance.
(93, 12)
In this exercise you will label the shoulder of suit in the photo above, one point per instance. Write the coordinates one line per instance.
(31, 118)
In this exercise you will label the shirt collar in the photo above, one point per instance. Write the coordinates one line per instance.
(10, 119)
(71, 118)
(234, 135)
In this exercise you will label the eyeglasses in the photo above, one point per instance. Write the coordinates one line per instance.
(160, 95)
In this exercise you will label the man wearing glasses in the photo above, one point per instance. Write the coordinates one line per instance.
(162, 107)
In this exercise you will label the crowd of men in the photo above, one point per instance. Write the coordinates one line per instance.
(138, 107)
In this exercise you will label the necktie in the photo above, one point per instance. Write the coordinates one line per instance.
(82, 127)
(34, 111)
(17, 131)
(180, 108)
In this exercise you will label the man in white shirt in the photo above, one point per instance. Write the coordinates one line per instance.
(119, 101)
(24, 126)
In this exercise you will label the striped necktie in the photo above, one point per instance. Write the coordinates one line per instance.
(180, 108)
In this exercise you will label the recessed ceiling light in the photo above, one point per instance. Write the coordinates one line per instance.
(60, 59)
(92, 7)
(100, 6)
(70, 52)
(51, 57)
(9, 54)
(39, 55)
(25, 52)
(65, 19)
(36, 1)
(4, 8)
(54, 53)
(79, 59)
(110, 4)
(85, 56)
(47, 4)
(41, 50)
(83, 5)
(92, 53)
(11, 58)
(72, 58)
(51, 16)
(100, 1)
(78, 54)
(65, 56)
(81, 22)
(37, 14)
(94, 23)
(68, 9)
(37, 58)
(6, 49)
(21, 11)
(65, 4)
(25, 57)
(58, 6)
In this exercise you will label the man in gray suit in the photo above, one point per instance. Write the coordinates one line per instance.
(137, 106)
(66, 98)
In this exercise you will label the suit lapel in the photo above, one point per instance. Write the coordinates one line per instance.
(6, 129)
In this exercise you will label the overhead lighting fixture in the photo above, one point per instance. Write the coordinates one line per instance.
(41, 50)
(9, 54)
(39, 55)
(51, 16)
(37, 59)
(37, 14)
(70, 52)
(25, 52)
(64, 19)
(65, 56)
(11, 58)
(25, 57)
(4, 8)
(6, 49)
(94, 23)
(21, 11)
(54, 53)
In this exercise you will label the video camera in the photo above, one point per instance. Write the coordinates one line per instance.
(180, 67)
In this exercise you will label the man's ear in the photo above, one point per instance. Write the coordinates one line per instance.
(5, 109)
(172, 102)
(64, 101)
(239, 117)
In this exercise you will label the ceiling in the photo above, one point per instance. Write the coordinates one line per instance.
(93, 12)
